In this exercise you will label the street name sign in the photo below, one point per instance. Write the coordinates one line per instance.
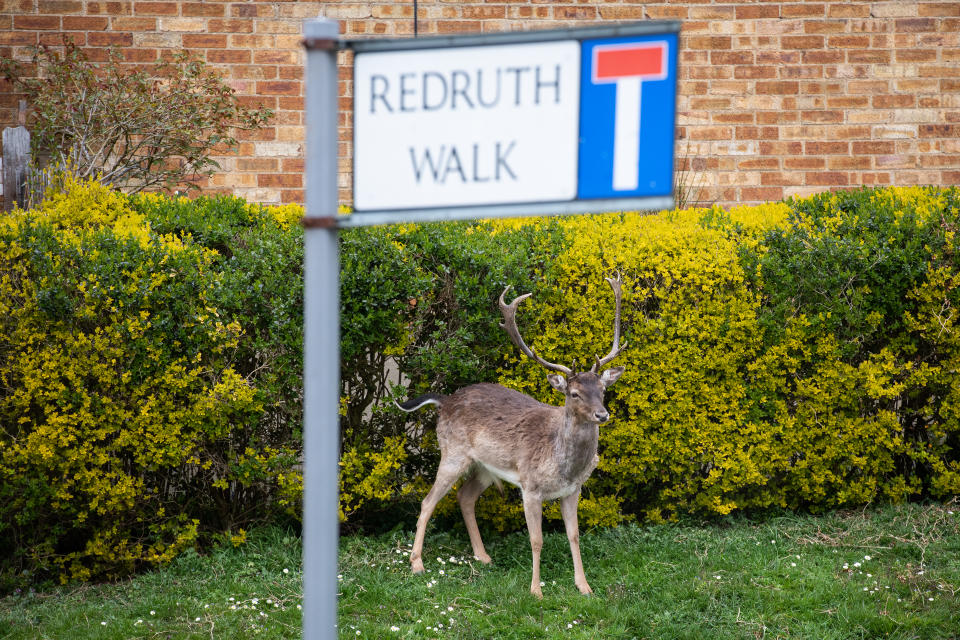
(506, 124)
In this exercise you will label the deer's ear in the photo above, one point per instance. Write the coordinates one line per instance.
(557, 381)
(610, 376)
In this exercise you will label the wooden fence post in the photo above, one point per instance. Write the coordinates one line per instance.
(16, 158)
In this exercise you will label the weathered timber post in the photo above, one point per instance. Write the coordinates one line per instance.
(16, 158)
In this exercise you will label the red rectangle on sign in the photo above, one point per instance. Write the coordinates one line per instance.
(628, 61)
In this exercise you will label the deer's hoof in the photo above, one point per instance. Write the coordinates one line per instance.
(585, 589)
(485, 558)
(535, 590)
(416, 566)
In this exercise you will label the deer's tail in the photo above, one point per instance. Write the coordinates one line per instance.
(420, 401)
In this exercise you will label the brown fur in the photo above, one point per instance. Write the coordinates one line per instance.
(548, 451)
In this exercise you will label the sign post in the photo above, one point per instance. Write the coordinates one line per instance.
(463, 127)
(321, 337)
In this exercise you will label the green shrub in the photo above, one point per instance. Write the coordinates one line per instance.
(133, 418)
(132, 128)
(792, 355)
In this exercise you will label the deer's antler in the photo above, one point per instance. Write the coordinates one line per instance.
(509, 312)
(615, 283)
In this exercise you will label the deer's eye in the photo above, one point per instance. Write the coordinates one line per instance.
(574, 394)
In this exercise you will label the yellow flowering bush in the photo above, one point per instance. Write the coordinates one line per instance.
(131, 421)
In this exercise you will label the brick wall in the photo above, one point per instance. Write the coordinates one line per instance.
(776, 98)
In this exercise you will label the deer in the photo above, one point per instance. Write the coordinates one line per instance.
(489, 433)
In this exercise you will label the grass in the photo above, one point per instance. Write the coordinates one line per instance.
(889, 572)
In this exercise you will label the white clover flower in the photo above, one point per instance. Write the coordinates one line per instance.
(394, 628)
(449, 608)
(153, 613)
(103, 624)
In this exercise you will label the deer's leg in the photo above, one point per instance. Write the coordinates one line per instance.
(533, 510)
(568, 508)
(467, 497)
(447, 474)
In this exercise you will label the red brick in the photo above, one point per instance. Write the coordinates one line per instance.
(778, 88)
(234, 25)
(566, 13)
(707, 42)
(108, 39)
(849, 163)
(131, 54)
(292, 196)
(939, 131)
(849, 41)
(828, 116)
(110, 8)
(826, 178)
(826, 148)
(59, 7)
(280, 88)
(279, 180)
(156, 8)
(824, 26)
(761, 194)
(872, 56)
(873, 147)
(914, 25)
(893, 101)
(204, 41)
(248, 10)
(940, 9)
(228, 56)
(804, 162)
(258, 164)
(916, 55)
(805, 10)
(202, 9)
(133, 24)
(85, 23)
(754, 11)
(276, 57)
(755, 72)
(848, 10)
(31, 23)
(292, 165)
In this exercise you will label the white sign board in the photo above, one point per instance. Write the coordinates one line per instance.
(535, 122)
(466, 126)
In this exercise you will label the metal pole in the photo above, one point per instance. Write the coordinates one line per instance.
(321, 353)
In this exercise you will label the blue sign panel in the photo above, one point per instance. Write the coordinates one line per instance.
(627, 98)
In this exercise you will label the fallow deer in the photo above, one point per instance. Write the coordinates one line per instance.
(493, 433)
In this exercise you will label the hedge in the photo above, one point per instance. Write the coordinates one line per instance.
(795, 355)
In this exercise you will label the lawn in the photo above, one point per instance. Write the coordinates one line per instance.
(885, 572)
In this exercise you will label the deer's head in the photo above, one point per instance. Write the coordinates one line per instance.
(583, 391)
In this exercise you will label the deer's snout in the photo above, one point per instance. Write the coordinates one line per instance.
(602, 415)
